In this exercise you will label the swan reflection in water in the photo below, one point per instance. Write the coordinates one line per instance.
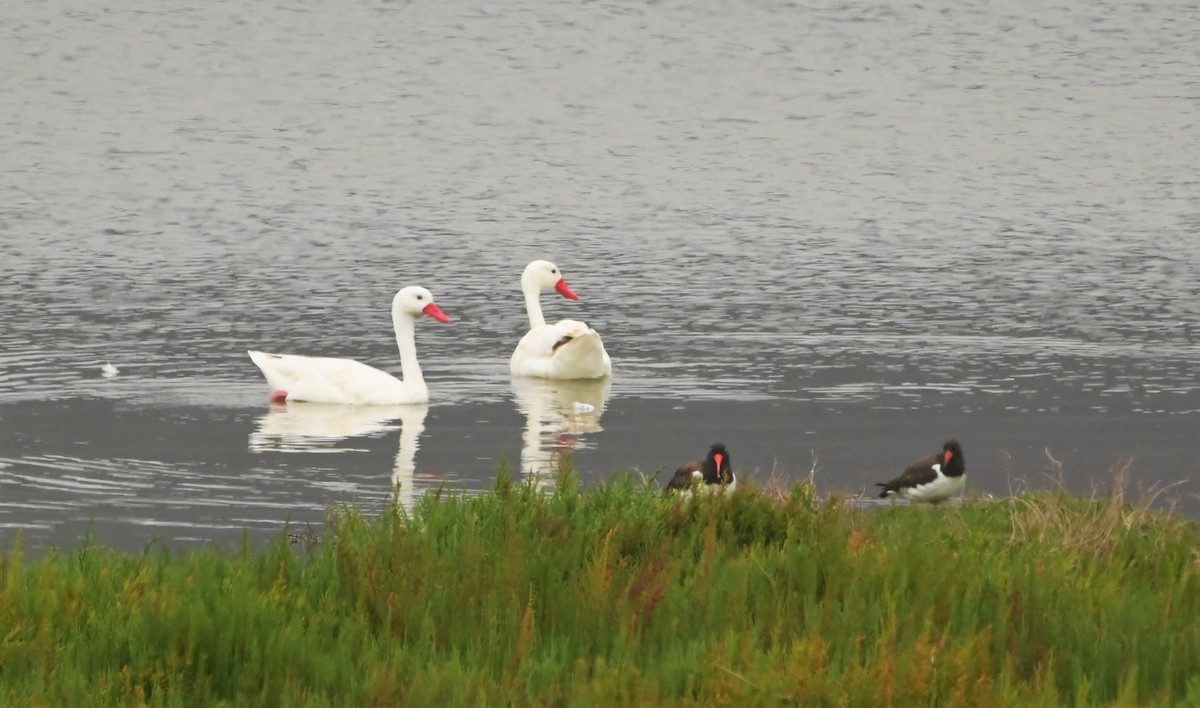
(558, 415)
(317, 427)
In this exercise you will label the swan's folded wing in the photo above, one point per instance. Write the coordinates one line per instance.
(294, 367)
(565, 331)
(541, 342)
(567, 349)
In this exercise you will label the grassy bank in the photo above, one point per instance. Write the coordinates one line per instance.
(618, 596)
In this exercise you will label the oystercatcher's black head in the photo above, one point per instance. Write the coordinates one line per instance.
(717, 467)
(953, 463)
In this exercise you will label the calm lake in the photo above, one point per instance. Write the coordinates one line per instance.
(822, 233)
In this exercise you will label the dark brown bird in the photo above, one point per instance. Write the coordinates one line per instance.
(715, 471)
(934, 479)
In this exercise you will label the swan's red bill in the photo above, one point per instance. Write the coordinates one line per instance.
(436, 313)
(718, 458)
(565, 290)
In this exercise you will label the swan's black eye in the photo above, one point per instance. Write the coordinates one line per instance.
(420, 297)
(553, 270)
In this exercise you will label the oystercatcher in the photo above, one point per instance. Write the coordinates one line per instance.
(714, 471)
(933, 479)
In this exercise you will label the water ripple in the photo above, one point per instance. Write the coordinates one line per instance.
(915, 215)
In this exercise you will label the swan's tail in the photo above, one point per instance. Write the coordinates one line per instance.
(259, 358)
(264, 361)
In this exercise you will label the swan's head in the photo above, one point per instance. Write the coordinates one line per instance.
(543, 275)
(415, 300)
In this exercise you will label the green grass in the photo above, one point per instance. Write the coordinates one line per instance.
(620, 596)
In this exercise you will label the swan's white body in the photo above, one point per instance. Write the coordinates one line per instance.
(567, 349)
(293, 377)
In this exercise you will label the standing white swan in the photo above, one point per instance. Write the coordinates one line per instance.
(327, 380)
(567, 349)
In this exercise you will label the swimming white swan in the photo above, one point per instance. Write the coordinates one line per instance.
(567, 349)
(327, 380)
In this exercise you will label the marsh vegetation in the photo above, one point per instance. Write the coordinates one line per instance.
(620, 595)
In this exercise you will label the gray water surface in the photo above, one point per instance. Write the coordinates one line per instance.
(831, 231)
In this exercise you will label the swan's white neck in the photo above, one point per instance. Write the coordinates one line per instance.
(533, 305)
(404, 325)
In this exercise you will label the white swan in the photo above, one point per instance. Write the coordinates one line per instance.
(567, 349)
(327, 380)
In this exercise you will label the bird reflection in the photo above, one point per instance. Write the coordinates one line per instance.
(404, 472)
(558, 414)
(317, 427)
